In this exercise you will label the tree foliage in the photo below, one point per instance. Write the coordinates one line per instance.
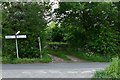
(89, 26)
(27, 17)
(92, 26)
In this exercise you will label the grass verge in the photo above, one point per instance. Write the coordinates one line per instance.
(91, 57)
(81, 55)
(58, 53)
(110, 73)
(7, 60)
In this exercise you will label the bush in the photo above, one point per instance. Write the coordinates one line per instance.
(101, 74)
(112, 72)
(105, 42)
(91, 56)
(45, 59)
(57, 45)
(27, 18)
(6, 60)
(28, 48)
(57, 34)
(113, 69)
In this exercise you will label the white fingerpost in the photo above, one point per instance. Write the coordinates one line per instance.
(16, 36)
(40, 47)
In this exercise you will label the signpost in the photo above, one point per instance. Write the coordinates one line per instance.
(16, 36)
(13, 36)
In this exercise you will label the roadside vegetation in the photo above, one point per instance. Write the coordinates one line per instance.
(91, 57)
(79, 54)
(87, 31)
(110, 73)
(44, 59)
(57, 53)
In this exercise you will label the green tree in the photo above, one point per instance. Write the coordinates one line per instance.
(27, 17)
(83, 24)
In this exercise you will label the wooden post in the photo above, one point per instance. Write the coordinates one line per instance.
(40, 47)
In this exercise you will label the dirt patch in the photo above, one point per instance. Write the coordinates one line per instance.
(56, 59)
(74, 59)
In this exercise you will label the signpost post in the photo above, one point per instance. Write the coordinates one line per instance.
(16, 36)
(16, 46)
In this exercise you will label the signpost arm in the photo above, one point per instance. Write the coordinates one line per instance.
(15, 37)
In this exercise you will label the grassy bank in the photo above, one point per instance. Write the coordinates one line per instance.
(91, 57)
(7, 60)
(111, 73)
(59, 53)
(79, 54)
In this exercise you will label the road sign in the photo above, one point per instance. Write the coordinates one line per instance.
(13, 36)
(16, 37)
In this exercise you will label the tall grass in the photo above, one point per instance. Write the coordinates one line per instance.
(45, 59)
(79, 54)
(112, 72)
(58, 53)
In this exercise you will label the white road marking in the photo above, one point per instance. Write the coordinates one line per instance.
(72, 72)
(94, 70)
(87, 72)
(26, 72)
(42, 71)
(51, 71)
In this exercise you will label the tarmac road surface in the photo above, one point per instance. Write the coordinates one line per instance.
(52, 70)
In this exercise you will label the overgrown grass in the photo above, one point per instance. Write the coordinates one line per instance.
(58, 43)
(111, 73)
(81, 55)
(0, 59)
(45, 59)
(58, 53)
(91, 57)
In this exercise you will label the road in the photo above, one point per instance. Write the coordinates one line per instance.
(52, 70)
